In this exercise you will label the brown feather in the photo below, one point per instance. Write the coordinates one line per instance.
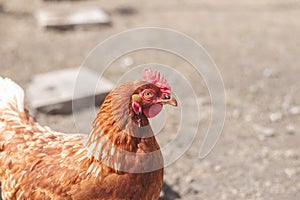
(38, 163)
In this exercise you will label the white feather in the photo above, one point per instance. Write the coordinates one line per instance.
(11, 94)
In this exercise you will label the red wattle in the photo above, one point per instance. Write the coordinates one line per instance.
(153, 110)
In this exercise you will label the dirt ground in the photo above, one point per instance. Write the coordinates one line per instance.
(255, 45)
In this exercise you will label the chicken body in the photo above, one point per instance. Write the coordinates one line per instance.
(38, 163)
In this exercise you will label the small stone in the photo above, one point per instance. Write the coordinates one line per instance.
(257, 195)
(236, 114)
(161, 195)
(224, 196)
(234, 191)
(253, 88)
(268, 132)
(291, 129)
(269, 72)
(295, 110)
(268, 183)
(189, 179)
(290, 154)
(243, 195)
(127, 62)
(290, 172)
(205, 101)
(207, 164)
(217, 168)
(274, 117)
(286, 102)
(248, 118)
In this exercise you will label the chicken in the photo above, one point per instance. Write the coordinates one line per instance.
(119, 159)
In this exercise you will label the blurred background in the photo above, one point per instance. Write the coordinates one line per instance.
(255, 45)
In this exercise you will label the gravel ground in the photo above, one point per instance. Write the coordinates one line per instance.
(256, 47)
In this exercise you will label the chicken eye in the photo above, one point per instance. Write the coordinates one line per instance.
(148, 94)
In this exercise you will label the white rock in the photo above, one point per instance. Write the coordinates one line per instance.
(62, 17)
(217, 168)
(248, 118)
(286, 102)
(291, 129)
(234, 191)
(267, 184)
(295, 110)
(269, 72)
(189, 179)
(268, 132)
(274, 117)
(290, 172)
(127, 62)
(236, 114)
(290, 154)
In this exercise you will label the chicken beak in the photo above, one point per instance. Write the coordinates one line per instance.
(172, 102)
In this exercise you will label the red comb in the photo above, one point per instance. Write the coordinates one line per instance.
(157, 79)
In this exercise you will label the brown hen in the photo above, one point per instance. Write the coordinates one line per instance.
(119, 159)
